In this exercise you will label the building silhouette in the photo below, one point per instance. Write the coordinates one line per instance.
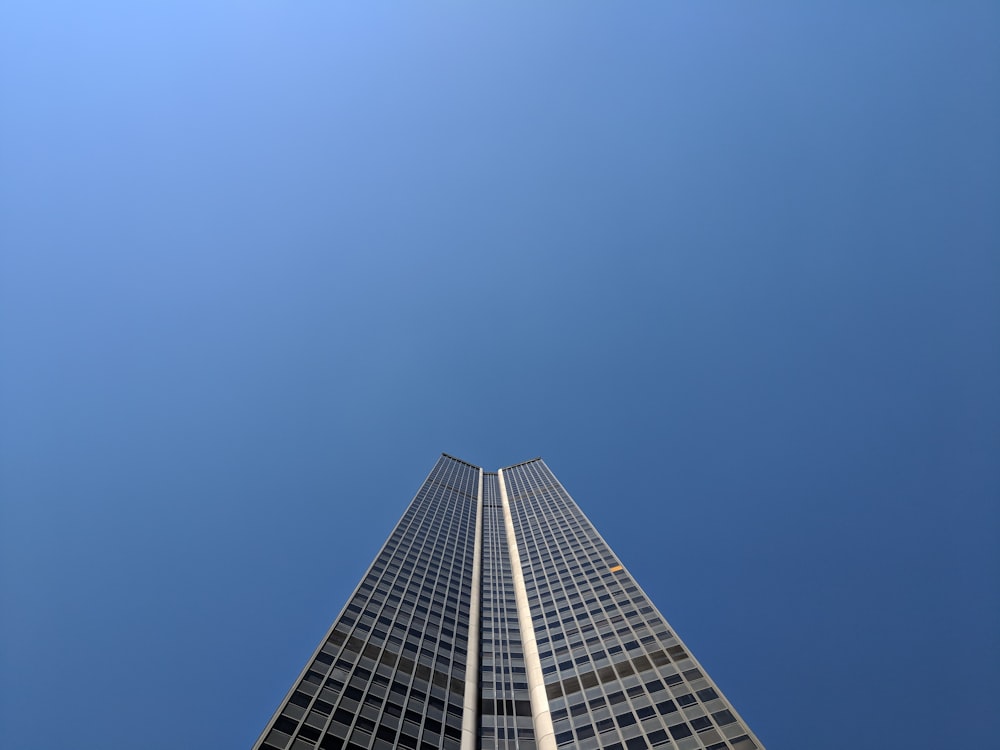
(496, 617)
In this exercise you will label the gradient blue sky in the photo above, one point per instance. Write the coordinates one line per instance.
(731, 269)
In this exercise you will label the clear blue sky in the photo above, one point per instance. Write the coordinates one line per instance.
(732, 269)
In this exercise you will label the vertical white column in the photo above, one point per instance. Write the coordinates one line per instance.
(470, 710)
(541, 718)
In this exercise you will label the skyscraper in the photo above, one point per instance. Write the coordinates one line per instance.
(496, 617)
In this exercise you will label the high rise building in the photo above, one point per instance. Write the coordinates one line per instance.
(496, 617)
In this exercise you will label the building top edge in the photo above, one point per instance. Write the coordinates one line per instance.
(456, 458)
(480, 468)
(522, 463)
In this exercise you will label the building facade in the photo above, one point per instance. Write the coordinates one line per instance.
(495, 617)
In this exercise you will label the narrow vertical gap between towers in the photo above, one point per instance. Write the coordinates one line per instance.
(541, 718)
(470, 711)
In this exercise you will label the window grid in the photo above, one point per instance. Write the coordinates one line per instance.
(616, 675)
(391, 672)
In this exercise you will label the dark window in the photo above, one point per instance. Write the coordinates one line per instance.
(299, 699)
(286, 725)
(658, 737)
(666, 707)
(626, 719)
(723, 717)
(707, 694)
(680, 731)
(309, 733)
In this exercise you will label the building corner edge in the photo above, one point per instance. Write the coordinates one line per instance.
(541, 718)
